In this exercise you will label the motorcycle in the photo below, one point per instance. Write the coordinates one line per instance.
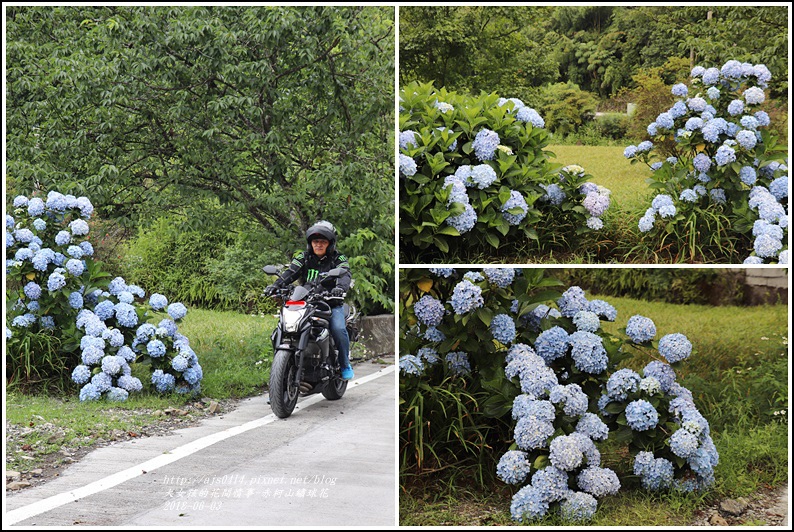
(305, 358)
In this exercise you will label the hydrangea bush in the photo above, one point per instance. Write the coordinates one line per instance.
(723, 183)
(473, 171)
(551, 374)
(101, 327)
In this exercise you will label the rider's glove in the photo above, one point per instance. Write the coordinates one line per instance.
(270, 290)
(337, 292)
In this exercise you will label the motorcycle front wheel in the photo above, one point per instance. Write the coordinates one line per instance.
(283, 391)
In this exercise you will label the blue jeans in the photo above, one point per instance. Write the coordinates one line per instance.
(339, 332)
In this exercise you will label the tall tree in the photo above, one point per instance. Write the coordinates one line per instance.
(283, 111)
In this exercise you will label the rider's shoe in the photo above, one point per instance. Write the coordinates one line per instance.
(347, 373)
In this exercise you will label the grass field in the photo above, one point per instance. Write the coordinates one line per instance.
(609, 169)
(738, 374)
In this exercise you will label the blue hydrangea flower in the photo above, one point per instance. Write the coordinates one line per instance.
(532, 433)
(596, 204)
(155, 348)
(35, 207)
(513, 467)
(688, 195)
(782, 258)
(163, 382)
(736, 107)
(466, 297)
(591, 426)
(63, 238)
(126, 315)
(87, 248)
(193, 374)
(675, 347)
(762, 117)
(679, 89)
(528, 504)
(407, 165)
(697, 104)
(693, 124)
(586, 321)
(662, 372)
(621, 383)
(747, 175)
(525, 405)
(767, 246)
(650, 385)
(717, 195)
(20, 201)
(465, 221)
(168, 325)
(711, 76)
(32, 290)
(79, 227)
(554, 194)
(76, 300)
(588, 353)
(427, 354)
(645, 145)
(572, 301)
(630, 151)
(603, 309)
(598, 481)
(130, 383)
(117, 285)
(474, 277)
(158, 301)
(112, 364)
(501, 277)
(429, 310)
(407, 139)
(683, 443)
(177, 311)
(458, 362)
(640, 329)
(81, 374)
(754, 96)
(75, 267)
(482, 175)
(725, 155)
(571, 396)
(485, 143)
(411, 365)
(24, 235)
(779, 188)
(55, 282)
(503, 328)
(179, 363)
(552, 343)
(565, 453)
(516, 200)
(47, 322)
(102, 381)
(117, 394)
(641, 415)
(89, 392)
(527, 114)
(24, 320)
(658, 475)
(105, 310)
(434, 335)
(664, 120)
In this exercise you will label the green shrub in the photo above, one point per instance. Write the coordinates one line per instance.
(169, 258)
(612, 125)
(565, 107)
(682, 286)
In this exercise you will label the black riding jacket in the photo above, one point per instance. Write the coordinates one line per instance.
(306, 266)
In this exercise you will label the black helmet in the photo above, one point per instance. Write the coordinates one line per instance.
(322, 229)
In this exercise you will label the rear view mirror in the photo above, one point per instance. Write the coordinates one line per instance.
(270, 270)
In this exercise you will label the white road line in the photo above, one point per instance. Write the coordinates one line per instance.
(50, 503)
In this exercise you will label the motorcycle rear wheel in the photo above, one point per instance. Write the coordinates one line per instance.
(335, 388)
(283, 391)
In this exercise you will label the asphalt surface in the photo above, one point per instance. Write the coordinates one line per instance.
(332, 463)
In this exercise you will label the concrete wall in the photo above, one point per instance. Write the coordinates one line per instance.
(766, 285)
(377, 336)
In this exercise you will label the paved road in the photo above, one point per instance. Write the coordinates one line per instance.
(332, 463)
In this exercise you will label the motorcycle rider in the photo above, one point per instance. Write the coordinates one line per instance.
(322, 256)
